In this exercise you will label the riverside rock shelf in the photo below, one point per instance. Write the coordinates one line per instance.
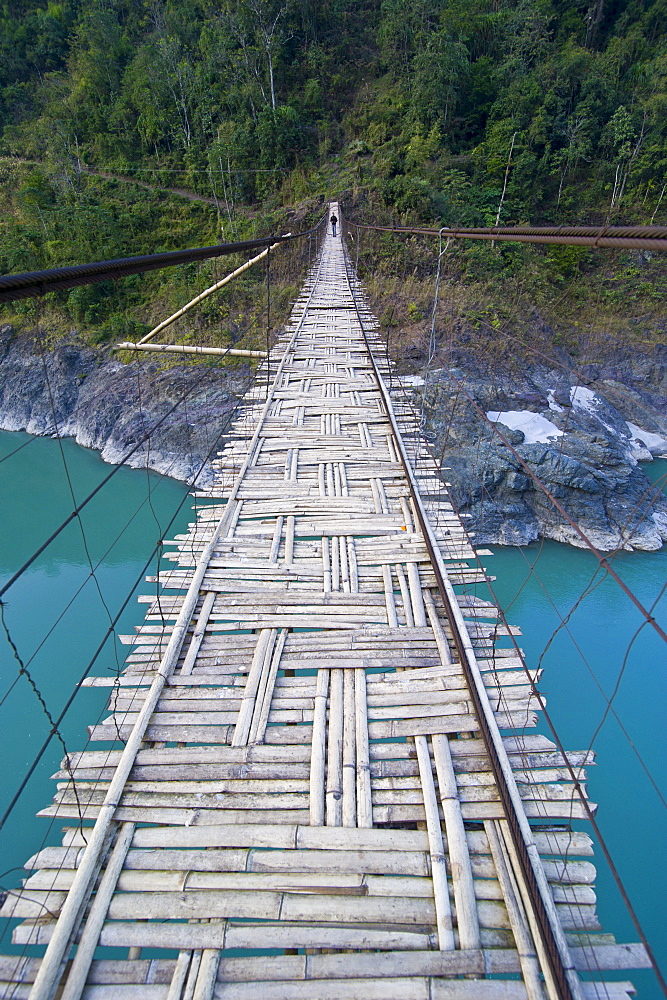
(324, 779)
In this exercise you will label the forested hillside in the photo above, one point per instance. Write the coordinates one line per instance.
(406, 109)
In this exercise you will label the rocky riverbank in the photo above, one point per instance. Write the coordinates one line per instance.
(583, 436)
(103, 404)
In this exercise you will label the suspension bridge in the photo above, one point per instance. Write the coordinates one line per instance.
(323, 781)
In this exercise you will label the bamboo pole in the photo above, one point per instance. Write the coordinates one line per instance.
(530, 967)
(318, 752)
(207, 975)
(438, 631)
(335, 563)
(193, 972)
(179, 975)
(188, 349)
(416, 597)
(199, 633)
(352, 563)
(349, 811)
(344, 568)
(514, 867)
(263, 651)
(208, 291)
(263, 703)
(275, 543)
(436, 847)
(289, 540)
(78, 973)
(334, 786)
(364, 802)
(405, 595)
(326, 566)
(389, 596)
(457, 845)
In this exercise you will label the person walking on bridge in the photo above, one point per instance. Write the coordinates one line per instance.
(334, 222)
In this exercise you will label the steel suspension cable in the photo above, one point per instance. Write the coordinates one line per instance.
(621, 237)
(35, 283)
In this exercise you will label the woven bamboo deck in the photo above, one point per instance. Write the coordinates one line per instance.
(305, 802)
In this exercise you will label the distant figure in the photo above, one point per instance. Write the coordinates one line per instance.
(334, 223)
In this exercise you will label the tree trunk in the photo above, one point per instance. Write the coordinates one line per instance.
(273, 89)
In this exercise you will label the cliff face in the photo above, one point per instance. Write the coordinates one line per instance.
(106, 405)
(583, 439)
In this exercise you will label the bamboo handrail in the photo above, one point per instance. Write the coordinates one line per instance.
(208, 291)
(188, 349)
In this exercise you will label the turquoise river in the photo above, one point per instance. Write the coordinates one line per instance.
(58, 613)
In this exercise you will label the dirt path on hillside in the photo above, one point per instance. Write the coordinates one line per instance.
(180, 192)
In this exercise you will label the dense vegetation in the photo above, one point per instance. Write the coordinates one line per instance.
(408, 109)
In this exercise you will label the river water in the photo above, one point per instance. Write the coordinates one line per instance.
(589, 650)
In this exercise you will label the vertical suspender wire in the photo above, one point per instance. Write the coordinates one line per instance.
(431, 342)
(109, 631)
(268, 322)
(137, 581)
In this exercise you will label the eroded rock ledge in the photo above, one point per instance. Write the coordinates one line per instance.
(103, 404)
(584, 439)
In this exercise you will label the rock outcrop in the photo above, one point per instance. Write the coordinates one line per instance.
(585, 446)
(109, 406)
